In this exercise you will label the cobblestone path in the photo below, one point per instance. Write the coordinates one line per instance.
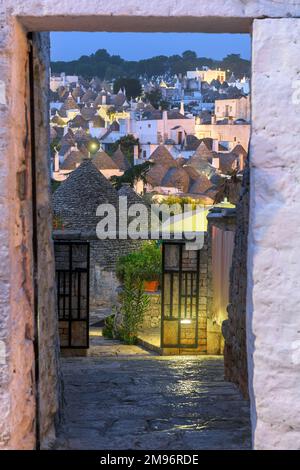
(151, 402)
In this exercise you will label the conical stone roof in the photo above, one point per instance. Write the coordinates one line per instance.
(134, 198)
(176, 178)
(120, 160)
(103, 161)
(73, 160)
(129, 192)
(70, 103)
(162, 156)
(76, 200)
(203, 152)
(239, 149)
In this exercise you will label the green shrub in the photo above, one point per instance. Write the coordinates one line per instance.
(133, 269)
(108, 329)
(134, 303)
(144, 263)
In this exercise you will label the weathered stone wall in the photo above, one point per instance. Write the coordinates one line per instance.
(234, 328)
(48, 350)
(103, 281)
(17, 383)
(204, 347)
(215, 339)
(18, 412)
(273, 291)
(152, 315)
(133, 15)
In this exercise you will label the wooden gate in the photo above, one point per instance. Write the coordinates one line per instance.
(72, 259)
(180, 296)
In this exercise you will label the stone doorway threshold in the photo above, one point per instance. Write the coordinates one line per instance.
(101, 346)
(149, 338)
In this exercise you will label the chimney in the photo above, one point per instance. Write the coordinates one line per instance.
(135, 152)
(56, 161)
(213, 119)
(230, 120)
(215, 145)
(182, 108)
(103, 99)
(216, 162)
(165, 124)
(241, 161)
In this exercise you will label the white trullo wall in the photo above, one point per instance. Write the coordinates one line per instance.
(273, 317)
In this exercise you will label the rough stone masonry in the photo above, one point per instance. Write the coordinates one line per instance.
(273, 269)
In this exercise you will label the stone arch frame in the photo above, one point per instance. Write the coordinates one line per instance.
(273, 271)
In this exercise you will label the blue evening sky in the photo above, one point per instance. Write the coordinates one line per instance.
(135, 46)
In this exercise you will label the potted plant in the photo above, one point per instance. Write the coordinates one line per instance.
(145, 263)
(151, 266)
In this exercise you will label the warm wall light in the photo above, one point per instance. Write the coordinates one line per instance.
(186, 321)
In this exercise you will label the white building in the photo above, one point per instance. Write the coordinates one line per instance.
(159, 127)
(207, 75)
(228, 135)
(62, 80)
(243, 85)
(237, 108)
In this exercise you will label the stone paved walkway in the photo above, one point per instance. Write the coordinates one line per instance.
(100, 346)
(151, 402)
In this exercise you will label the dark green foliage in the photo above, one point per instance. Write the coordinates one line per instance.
(132, 86)
(131, 176)
(133, 269)
(154, 97)
(54, 185)
(144, 264)
(134, 303)
(108, 329)
(126, 144)
(55, 145)
(106, 66)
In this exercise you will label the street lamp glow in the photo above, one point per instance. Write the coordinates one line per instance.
(93, 146)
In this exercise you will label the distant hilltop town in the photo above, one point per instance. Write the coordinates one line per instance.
(192, 127)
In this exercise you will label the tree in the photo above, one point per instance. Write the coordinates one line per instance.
(101, 54)
(131, 176)
(103, 65)
(132, 86)
(189, 55)
(154, 97)
(237, 65)
(126, 144)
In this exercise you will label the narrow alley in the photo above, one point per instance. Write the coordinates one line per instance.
(122, 397)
